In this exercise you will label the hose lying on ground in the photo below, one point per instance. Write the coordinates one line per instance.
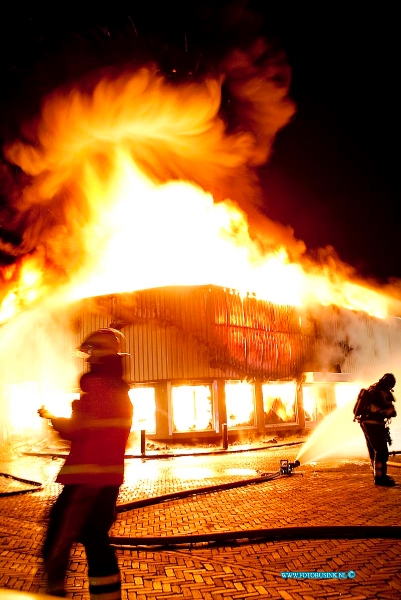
(37, 484)
(312, 532)
(203, 490)
(291, 533)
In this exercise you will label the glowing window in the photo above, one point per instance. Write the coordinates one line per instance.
(346, 392)
(240, 404)
(192, 408)
(144, 404)
(279, 402)
(24, 402)
(317, 401)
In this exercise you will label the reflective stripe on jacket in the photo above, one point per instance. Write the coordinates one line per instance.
(98, 429)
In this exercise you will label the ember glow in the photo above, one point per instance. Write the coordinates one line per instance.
(128, 176)
(279, 402)
(240, 404)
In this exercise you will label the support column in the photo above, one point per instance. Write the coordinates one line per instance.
(300, 404)
(260, 413)
(162, 393)
(221, 405)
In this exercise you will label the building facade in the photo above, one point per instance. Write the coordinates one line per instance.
(203, 361)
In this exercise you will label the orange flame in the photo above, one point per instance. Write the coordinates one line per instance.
(121, 174)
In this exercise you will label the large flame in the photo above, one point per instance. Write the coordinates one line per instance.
(137, 183)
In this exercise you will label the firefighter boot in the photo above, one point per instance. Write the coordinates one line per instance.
(381, 477)
(60, 593)
(385, 481)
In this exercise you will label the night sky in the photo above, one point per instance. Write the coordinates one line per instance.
(333, 174)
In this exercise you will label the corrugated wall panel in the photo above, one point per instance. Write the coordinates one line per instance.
(221, 330)
(170, 355)
(206, 332)
(395, 339)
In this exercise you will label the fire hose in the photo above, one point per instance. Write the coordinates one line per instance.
(263, 534)
(312, 532)
(37, 484)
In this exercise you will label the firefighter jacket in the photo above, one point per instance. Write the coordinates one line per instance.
(98, 430)
(380, 406)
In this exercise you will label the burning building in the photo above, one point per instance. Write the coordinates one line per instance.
(132, 201)
(200, 358)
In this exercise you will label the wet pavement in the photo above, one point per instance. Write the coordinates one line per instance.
(229, 529)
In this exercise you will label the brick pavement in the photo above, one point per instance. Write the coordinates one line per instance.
(329, 492)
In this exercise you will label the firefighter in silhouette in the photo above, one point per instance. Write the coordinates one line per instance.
(374, 414)
(94, 469)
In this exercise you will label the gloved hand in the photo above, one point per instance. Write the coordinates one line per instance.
(44, 413)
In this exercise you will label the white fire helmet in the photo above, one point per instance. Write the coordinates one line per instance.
(102, 342)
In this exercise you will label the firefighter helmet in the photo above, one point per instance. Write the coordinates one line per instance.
(103, 342)
(387, 382)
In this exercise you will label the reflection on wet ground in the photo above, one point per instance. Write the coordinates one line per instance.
(323, 493)
(146, 478)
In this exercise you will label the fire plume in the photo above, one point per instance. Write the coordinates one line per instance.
(135, 182)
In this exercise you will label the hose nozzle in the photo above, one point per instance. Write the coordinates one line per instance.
(286, 467)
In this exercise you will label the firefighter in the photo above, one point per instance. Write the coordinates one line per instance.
(93, 471)
(374, 422)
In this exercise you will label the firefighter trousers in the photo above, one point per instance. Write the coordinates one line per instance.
(376, 441)
(83, 514)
